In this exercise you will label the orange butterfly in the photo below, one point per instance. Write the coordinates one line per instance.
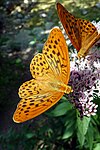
(50, 71)
(82, 33)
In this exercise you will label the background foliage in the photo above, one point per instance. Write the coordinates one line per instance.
(24, 28)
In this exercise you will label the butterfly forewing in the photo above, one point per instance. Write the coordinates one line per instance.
(39, 66)
(70, 25)
(56, 53)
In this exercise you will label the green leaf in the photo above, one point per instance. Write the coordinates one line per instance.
(67, 134)
(82, 127)
(18, 60)
(70, 116)
(29, 135)
(61, 109)
(32, 42)
(90, 137)
(70, 125)
(63, 99)
(69, 130)
(97, 146)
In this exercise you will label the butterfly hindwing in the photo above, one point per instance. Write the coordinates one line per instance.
(36, 99)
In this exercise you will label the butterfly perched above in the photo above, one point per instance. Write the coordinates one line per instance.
(50, 71)
(82, 33)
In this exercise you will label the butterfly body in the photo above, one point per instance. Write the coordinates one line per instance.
(50, 71)
(82, 33)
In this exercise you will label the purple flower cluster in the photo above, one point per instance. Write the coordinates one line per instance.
(85, 80)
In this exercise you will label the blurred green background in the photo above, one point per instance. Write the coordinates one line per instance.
(24, 27)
